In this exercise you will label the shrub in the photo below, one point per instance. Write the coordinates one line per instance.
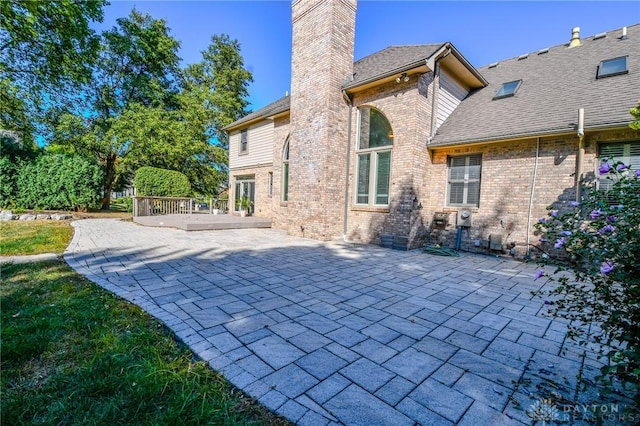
(598, 282)
(12, 155)
(7, 182)
(151, 181)
(59, 182)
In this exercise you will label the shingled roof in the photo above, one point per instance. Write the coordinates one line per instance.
(392, 60)
(274, 108)
(555, 84)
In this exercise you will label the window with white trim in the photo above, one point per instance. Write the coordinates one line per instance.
(244, 141)
(285, 171)
(463, 188)
(626, 152)
(373, 158)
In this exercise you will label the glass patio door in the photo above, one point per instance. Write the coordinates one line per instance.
(245, 187)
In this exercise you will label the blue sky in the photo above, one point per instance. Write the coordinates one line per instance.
(484, 32)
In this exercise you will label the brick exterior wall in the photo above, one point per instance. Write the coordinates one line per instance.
(322, 58)
(280, 209)
(263, 203)
(407, 106)
(506, 184)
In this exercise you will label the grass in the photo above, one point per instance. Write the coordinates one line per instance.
(34, 237)
(44, 236)
(73, 353)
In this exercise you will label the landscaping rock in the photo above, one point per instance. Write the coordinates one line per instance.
(7, 215)
(27, 217)
(61, 216)
(42, 216)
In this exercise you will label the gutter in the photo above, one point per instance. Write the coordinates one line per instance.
(528, 135)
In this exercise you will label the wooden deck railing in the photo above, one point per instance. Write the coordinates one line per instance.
(154, 206)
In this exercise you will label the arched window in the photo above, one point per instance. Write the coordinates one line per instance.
(375, 141)
(285, 171)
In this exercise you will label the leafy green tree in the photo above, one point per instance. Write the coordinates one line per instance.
(137, 65)
(215, 89)
(45, 45)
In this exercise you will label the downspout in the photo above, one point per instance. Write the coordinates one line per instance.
(580, 159)
(533, 188)
(348, 163)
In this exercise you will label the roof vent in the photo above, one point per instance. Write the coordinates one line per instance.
(624, 33)
(493, 65)
(543, 51)
(521, 57)
(575, 37)
(599, 36)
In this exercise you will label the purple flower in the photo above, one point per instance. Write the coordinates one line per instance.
(559, 243)
(554, 213)
(611, 218)
(543, 240)
(566, 233)
(606, 228)
(604, 168)
(595, 214)
(543, 220)
(546, 302)
(620, 167)
(638, 173)
(574, 203)
(539, 273)
(606, 268)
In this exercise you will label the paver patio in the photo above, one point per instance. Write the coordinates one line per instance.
(338, 333)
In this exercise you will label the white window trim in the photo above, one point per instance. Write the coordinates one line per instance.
(466, 181)
(373, 166)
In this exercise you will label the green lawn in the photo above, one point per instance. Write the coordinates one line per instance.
(72, 353)
(34, 237)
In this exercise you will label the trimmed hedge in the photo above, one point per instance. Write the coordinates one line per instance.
(8, 175)
(154, 182)
(59, 182)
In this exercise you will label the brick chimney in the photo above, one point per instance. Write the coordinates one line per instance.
(322, 59)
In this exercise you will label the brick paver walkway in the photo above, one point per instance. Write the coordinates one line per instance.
(330, 333)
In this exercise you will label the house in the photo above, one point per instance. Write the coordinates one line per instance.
(416, 142)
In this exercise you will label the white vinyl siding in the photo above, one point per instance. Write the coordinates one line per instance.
(450, 94)
(259, 146)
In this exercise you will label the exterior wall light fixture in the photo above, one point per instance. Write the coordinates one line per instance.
(403, 77)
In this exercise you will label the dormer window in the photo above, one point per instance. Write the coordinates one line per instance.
(508, 89)
(615, 66)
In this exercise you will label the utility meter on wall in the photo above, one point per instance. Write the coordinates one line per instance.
(464, 218)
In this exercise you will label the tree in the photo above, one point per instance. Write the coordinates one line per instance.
(45, 45)
(213, 96)
(218, 85)
(137, 65)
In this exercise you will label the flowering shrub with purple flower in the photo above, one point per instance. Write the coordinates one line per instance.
(596, 251)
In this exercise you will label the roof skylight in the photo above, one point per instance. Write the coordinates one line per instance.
(508, 89)
(613, 66)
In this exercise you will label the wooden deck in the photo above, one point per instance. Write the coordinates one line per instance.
(203, 221)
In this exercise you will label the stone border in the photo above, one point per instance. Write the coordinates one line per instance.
(6, 215)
